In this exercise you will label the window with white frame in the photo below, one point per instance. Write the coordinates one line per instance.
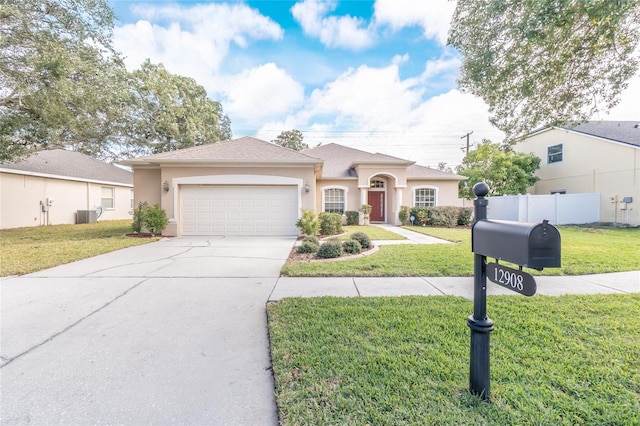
(107, 198)
(334, 200)
(132, 204)
(554, 154)
(377, 183)
(425, 197)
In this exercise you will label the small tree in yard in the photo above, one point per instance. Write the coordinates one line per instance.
(505, 171)
(366, 210)
(156, 220)
(139, 217)
(308, 222)
(152, 218)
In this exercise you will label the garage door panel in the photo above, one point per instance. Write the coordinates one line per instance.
(238, 210)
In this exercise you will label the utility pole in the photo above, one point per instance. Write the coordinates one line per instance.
(467, 136)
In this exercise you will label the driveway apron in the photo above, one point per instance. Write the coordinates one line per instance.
(172, 332)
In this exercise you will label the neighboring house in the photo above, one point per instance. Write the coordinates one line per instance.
(598, 156)
(248, 186)
(50, 187)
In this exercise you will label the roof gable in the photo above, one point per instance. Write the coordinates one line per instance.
(60, 162)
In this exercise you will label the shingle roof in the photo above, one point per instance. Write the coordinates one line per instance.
(60, 162)
(338, 162)
(416, 171)
(620, 131)
(338, 159)
(242, 149)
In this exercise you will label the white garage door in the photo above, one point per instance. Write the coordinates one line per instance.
(239, 210)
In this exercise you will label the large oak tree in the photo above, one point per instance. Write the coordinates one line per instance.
(546, 62)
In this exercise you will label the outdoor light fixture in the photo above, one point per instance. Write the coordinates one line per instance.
(307, 187)
(165, 186)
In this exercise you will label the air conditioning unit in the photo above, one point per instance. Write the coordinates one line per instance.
(87, 216)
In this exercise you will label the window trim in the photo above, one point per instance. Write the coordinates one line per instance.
(345, 193)
(112, 198)
(435, 189)
(561, 153)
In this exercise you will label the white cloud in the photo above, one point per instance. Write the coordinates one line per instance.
(261, 93)
(196, 41)
(345, 31)
(373, 109)
(434, 16)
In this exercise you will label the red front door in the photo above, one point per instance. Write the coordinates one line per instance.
(376, 201)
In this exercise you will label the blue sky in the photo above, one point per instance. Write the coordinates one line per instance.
(373, 75)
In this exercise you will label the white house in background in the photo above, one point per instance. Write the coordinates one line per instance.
(51, 187)
(597, 156)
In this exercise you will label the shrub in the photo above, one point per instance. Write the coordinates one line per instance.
(363, 239)
(330, 223)
(156, 219)
(307, 247)
(139, 215)
(353, 217)
(447, 216)
(311, 239)
(464, 216)
(329, 250)
(403, 215)
(308, 222)
(351, 246)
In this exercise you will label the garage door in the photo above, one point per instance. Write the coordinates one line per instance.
(238, 210)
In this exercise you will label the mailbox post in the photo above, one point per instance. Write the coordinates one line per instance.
(479, 323)
(531, 245)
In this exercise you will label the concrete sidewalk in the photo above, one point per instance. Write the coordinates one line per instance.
(619, 282)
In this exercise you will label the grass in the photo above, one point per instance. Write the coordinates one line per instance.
(374, 232)
(571, 360)
(584, 251)
(26, 250)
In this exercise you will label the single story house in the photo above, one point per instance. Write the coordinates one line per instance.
(52, 187)
(597, 156)
(247, 186)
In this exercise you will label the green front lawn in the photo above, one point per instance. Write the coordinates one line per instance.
(374, 232)
(584, 251)
(571, 360)
(26, 250)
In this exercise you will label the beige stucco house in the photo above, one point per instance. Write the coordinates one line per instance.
(247, 186)
(51, 187)
(598, 156)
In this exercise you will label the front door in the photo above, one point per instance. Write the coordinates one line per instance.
(376, 201)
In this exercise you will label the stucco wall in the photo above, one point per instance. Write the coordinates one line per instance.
(21, 196)
(446, 193)
(589, 165)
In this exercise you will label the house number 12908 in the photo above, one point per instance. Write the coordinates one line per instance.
(513, 279)
(507, 278)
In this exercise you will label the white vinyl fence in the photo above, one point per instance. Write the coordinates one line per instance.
(558, 209)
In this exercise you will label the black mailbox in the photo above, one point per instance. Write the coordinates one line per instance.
(534, 245)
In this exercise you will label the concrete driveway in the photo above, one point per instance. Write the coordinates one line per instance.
(172, 332)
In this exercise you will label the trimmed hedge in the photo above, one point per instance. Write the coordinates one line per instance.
(311, 239)
(330, 223)
(351, 246)
(448, 216)
(307, 247)
(353, 217)
(330, 249)
(363, 239)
